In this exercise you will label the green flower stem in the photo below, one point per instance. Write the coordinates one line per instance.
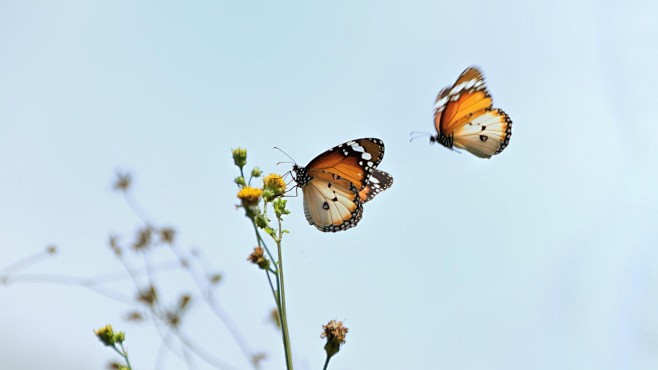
(274, 295)
(278, 292)
(326, 363)
(126, 356)
(275, 291)
(282, 296)
(122, 352)
(277, 287)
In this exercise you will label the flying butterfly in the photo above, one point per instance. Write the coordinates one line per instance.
(337, 183)
(464, 117)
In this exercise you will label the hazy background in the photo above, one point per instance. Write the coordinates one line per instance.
(543, 257)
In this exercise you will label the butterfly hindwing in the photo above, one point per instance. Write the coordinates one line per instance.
(378, 182)
(485, 135)
(330, 202)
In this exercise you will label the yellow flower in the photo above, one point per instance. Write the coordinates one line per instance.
(274, 186)
(250, 196)
(106, 335)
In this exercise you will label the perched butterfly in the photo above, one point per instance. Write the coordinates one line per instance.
(464, 117)
(336, 183)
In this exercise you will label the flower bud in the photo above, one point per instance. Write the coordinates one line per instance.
(240, 157)
(106, 335)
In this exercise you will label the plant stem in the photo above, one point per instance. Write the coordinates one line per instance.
(326, 363)
(282, 303)
(123, 354)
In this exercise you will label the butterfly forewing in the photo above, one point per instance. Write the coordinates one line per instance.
(467, 97)
(353, 160)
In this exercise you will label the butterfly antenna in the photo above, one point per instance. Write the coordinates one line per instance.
(293, 161)
(418, 134)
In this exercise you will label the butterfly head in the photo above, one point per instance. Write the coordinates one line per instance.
(300, 175)
(445, 140)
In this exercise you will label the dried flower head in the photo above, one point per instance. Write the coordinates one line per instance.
(258, 257)
(173, 318)
(116, 366)
(143, 239)
(273, 186)
(148, 296)
(122, 183)
(167, 235)
(335, 333)
(275, 318)
(250, 196)
(134, 316)
(257, 358)
(183, 301)
(215, 278)
(114, 244)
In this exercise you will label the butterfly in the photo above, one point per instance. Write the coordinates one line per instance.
(464, 117)
(337, 183)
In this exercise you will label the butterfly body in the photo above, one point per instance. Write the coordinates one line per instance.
(464, 117)
(336, 183)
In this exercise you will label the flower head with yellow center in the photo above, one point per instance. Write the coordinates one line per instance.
(273, 186)
(250, 196)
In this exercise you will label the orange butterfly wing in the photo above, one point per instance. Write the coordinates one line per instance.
(378, 182)
(334, 181)
(464, 117)
(331, 203)
(353, 161)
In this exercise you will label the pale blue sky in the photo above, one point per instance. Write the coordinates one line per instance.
(543, 257)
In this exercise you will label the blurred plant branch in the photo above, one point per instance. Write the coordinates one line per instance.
(136, 261)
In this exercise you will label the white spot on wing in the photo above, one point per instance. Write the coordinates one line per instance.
(463, 86)
(440, 104)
